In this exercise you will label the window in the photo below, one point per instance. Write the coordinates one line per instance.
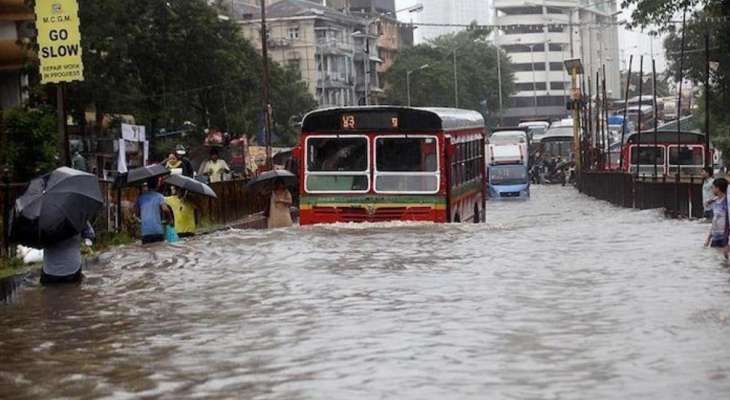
(557, 86)
(646, 155)
(337, 164)
(556, 28)
(508, 175)
(406, 164)
(556, 66)
(467, 165)
(528, 67)
(293, 33)
(687, 156)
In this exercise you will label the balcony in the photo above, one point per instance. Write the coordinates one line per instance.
(15, 10)
(14, 55)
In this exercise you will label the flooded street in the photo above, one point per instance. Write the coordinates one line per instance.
(561, 297)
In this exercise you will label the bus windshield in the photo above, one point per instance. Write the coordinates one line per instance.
(647, 155)
(508, 175)
(687, 156)
(337, 164)
(406, 164)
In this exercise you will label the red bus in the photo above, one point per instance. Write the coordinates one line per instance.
(383, 163)
(643, 150)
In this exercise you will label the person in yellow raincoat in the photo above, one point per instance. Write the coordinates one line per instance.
(185, 212)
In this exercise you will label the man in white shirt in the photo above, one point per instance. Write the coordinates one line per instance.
(215, 167)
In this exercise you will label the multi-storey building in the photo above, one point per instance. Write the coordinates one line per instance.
(392, 36)
(15, 27)
(539, 35)
(450, 12)
(327, 46)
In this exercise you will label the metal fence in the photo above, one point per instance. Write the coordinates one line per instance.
(234, 203)
(679, 198)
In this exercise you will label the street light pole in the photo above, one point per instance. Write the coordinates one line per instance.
(265, 85)
(408, 80)
(534, 77)
(408, 86)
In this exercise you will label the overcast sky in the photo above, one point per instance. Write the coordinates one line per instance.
(634, 43)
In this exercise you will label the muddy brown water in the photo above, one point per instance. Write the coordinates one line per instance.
(561, 297)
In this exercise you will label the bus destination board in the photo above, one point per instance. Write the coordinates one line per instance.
(380, 120)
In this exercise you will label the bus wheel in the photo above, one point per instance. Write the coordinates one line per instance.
(477, 216)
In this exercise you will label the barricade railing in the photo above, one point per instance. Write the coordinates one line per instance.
(681, 198)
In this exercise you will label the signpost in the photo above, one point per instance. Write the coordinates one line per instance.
(59, 51)
(575, 67)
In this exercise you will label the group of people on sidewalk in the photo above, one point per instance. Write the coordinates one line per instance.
(715, 201)
(214, 169)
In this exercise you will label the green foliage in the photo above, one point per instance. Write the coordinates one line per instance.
(168, 62)
(476, 65)
(11, 266)
(30, 146)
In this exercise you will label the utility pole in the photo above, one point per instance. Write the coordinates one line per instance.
(266, 86)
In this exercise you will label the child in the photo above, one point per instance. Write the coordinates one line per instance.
(718, 236)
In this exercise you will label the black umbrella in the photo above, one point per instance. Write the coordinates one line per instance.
(142, 174)
(265, 182)
(190, 185)
(55, 207)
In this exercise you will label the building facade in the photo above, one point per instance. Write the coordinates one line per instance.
(449, 12)
(16, 21)
(539, 36)
(327, 46)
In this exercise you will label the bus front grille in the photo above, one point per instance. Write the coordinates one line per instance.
(373, 214)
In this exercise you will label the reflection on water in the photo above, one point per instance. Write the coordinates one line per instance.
(559, 297)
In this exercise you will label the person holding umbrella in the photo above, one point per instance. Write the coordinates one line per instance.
(182, 205)
(151, 210)
(185, 212)
(280, 206)
(274, 184)
(53, 214)
(62, 260)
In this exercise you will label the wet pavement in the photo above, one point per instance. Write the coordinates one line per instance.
(561, 297)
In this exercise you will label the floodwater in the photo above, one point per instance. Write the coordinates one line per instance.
(561, 297)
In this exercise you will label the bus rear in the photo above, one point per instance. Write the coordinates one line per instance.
(374, 164)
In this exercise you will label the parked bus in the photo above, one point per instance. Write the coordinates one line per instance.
(647, 116)
(372, 164)
(557, 143)
(640, 149)
(535, 129)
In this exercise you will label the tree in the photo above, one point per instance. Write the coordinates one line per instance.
(476, 66)
(30, 142)
(168, 63)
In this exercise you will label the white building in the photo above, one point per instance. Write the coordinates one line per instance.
(537, 36)
(449, 12)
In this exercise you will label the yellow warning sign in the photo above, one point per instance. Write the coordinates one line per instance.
(59, 41)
